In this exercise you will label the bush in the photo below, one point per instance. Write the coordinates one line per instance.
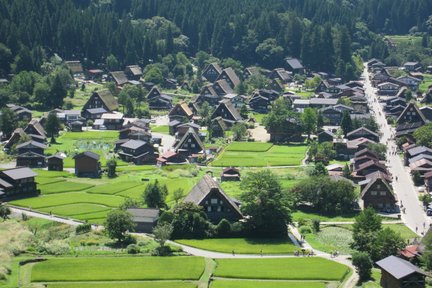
(223, 229)
(301, 222)
(316, 225)
(305, 230)
(83, 228)
(162, 251)
(363, 263)
(55, 247)
(133, 249)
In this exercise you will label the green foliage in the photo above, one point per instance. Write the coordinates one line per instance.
(133, 249)
(316, 225)
(52, 125)
(83, 228)
(423, 135)
(118, 223)
(239, 131)
(319, 170)
(325, 195)
(189, 221)
(111, 166)
(346, 123)
(266, 204)
(223, 229)
(129, 203)
(363, 263)
(378, 148)
(417, 179)
(162, 233)
(309, 119)
(8, 121)
(4, 212)
(155, 194)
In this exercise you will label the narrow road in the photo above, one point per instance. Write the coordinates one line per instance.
(17, 212)
(414, 217)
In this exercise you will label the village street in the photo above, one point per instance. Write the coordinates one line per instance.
(414, 217)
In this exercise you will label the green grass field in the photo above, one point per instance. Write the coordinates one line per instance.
(243, 245)
(249, 146)
(76, 209)
(314, 268)
(144, 284)
(331, 239)
(427, 81)
(64, 186)
(277, 155)
(160, 129)
(118, 269)
(114, 187)
(264, 284)
(307, 215)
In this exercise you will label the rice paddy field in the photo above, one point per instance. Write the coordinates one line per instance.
(264, 284)
(255, 154)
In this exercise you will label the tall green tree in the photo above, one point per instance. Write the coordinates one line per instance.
(52, 125)
(8, 121)
(155, 194)
(365, 229)
(118, 223)
(346, 123)
(309, 119)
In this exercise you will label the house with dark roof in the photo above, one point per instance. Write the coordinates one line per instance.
(218, 127)
(388, 88)
(399, 273)
(55, 162)
(17, 181)
(23, 114)
(229, 75)
(119, 77)
(325, 136)
(222, 87)
(276, 85)
(113, 121)
(363, 132)
(183, 128)
(157, 100)
(294, 65)
(34, 127)
(409, 120)
(138, 152)
(31, 154)
(427, 112)
(145, 219)
(170, 157)
(316, 102)
(379, 195)
(281, 75)
(216, 204)
(415, 151)
(332, 116)
(101, 99)
(411, 66)
(230, 174)
(189, 144)
(410, 81)
(75, 67)
(133, 72)
(212, 72)
(87, 165)
(181, 112)
(15, 137)
(136, 133)
(289, 132)
(228, 112)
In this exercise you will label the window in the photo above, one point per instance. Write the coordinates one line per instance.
(378, 186)
(214, 201)
(209, 209)
(192, 145)
(219, 209)
(383, 193)
(189, 140)
(374, 193)
(380, 205)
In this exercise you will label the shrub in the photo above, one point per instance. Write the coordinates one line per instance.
(363, 263)
(316, 225)
(301, 222)
(133, 249)
(305, 230)
(162, 251)
(55, 247)
(83, 228)
(223, 229)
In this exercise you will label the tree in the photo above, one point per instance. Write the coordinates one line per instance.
(42, 94)
(8, 121)
(346, 123)
(58, 92)
(155, 194)
(177, 195)
(112, 63)
(423, 135)
(189, 221)
(417, 179)
(319, 170)
(320, 121)
(346, 172)
(366, 226)
(427, 254)
(129, 203)
(239, 131)
(266, 205)
(118, 223)
(244, 113)
(154, 75)
(162, 233)
(363, 264)
(388, 242)
(4, 212)
(270, 52)
(52, 125)
(309, 119)
(379, 149)
(111, 165)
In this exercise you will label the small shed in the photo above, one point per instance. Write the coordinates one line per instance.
(76, 126)
(396, 272)
(55, 162)
(145, 219)
(230, 174)
(87, 165)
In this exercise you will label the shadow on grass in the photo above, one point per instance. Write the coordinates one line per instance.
(268, 241)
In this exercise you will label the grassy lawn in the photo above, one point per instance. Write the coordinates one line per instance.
(308, 215)
(118, 269)
(65, 186)
(314, 268)
(375, 281)
(71, 143)
(258, 117)
(243, 245)
(160, 129)
(406, 39)
(75, 209)
(114, 187)
(403, 230)
(249, 147)
(146, 284)
(277, 155)
(264, 284)
(427, 81)
(331, 239)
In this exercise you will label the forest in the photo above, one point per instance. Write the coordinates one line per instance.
(323, 34)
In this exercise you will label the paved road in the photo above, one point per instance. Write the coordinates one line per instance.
(414, 217)
(17, 212)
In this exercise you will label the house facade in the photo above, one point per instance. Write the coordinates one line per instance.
(87, 165)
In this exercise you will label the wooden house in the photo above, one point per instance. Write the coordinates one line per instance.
(145, 219)
(17, 181)
(182, 129)
(157, 100)
(399, 273)
(102, 99)
(228, 112)
(332, 116)
(212, 72)
(34, 127)
(170, 157)
(295, 66)
(119, 78)
(222, 87)
(229, 75)
(379, 195)
(87, 165)
(218, 127)
(76, 126)
(31, 154)
(181, 112)
(113, 121)
(325, 136)
(216, 204)
(55, 162)
(363, 132)
(189, 144)
(411, 66)
(230, 174)
(22, 114)
(133, 72)
(289, 132)
(75, 67)
(15, 137)
(388, 88)
(281, 75)
(138, 152)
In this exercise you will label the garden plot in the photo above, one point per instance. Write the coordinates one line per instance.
(265, 284)
(144, 284)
